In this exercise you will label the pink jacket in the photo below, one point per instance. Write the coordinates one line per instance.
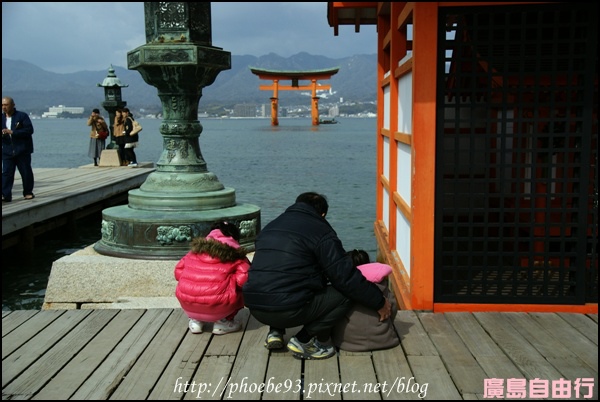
(209, 289)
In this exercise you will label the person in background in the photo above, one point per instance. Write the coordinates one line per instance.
(119, 134)
(17, 147)
(300, 275)
(97, 145)
(130, 140)
(361, 330)
(210, 278)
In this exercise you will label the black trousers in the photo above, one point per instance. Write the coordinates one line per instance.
(121, 152)
(9, 166)
(130, 155)
(318, 316)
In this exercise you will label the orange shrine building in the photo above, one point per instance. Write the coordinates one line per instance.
(487, 152)
(312, 76)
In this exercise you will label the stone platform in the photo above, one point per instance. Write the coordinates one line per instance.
(87, 279)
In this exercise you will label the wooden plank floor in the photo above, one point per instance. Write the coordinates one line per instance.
(60, 192)
(150, 354)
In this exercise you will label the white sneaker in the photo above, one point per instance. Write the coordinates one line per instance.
(132, 164)
(225, 326)
(195, 326)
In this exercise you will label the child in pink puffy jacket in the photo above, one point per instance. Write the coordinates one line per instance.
(210, 278)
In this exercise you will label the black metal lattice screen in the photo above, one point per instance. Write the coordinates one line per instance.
(516, 155)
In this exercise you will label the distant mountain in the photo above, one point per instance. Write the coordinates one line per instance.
(35, 90)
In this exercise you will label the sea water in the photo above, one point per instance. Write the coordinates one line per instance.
(268, 166)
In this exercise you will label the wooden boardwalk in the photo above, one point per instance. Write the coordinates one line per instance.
(150, 354)
(145, 353)
(64, 195)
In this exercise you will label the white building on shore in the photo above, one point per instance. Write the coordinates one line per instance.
(54, 111)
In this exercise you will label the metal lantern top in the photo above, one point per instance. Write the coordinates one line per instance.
(112, 80)
(172, 22)
(112, 90)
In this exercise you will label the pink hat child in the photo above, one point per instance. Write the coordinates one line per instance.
(217, 235)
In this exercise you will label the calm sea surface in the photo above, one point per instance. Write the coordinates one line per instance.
(267, 166)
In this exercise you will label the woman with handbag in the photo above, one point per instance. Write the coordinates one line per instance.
(131, 139)
(98, 135)
(119, 134)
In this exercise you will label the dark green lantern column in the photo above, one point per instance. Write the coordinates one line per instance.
(113, 101)
(182, 198)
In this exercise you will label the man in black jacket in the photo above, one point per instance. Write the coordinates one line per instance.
(301, 276)
(17, 147)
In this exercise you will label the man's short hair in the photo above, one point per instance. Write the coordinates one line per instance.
(96, 111)
(316, 200)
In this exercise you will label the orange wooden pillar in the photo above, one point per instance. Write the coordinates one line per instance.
(274, 108)
(424, 60)
(314, 112)
(275, 104)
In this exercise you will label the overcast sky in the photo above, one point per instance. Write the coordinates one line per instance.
(71, 37)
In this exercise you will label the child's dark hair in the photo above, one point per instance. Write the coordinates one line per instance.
(228, 229)
(359, 257)
(316, 200)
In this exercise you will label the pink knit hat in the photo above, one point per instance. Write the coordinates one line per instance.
(217, 235)
(375, 271)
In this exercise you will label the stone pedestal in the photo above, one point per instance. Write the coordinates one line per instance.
(110, 157)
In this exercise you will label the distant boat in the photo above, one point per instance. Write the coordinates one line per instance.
(328, 121)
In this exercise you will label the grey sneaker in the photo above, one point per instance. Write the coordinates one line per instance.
(310, 350)
(274, 340)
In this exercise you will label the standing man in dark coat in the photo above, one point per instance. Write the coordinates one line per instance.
(17, 147)
(301, 275)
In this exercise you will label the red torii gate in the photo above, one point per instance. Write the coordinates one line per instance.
(295, 76)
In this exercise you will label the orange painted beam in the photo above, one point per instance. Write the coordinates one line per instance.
(590, 308)
(290, 88)
(309, 75)
(284, 77)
